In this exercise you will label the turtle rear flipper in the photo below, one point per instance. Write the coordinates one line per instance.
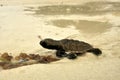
(95, 51)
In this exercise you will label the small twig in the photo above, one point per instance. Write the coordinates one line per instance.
(39, 37)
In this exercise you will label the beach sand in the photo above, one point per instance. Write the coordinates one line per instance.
(21, 22)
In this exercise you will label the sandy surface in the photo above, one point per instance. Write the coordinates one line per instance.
(96, 23)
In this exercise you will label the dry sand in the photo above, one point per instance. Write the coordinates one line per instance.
(22, 21)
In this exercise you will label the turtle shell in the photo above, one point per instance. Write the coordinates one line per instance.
(75, 46)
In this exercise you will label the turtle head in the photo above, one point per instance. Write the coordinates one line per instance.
(48, 43)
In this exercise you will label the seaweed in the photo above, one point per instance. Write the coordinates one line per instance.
(23, 59)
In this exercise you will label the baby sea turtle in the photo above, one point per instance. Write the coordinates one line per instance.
(69, 48)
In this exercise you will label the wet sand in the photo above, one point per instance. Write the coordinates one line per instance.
(94, 22)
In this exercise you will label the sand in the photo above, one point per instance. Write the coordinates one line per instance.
(22, 21)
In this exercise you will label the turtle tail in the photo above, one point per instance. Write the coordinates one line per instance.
(95, 51)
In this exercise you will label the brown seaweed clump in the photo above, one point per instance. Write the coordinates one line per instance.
(47, 59)
(22, 56)
(34, 56)
(6, 57)
(23, 59)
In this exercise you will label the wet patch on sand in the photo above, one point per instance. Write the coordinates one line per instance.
(90, 8)
(116, 13)
(83, 25)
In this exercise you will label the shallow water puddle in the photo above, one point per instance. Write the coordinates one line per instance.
(92, 27)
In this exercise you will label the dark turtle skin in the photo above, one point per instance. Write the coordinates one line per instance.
(69, 48)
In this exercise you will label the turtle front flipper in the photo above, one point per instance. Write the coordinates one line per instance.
(61, 54)
(71, 56)
(95, 51)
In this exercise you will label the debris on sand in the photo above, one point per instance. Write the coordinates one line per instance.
(23, 59)
(6, 57)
